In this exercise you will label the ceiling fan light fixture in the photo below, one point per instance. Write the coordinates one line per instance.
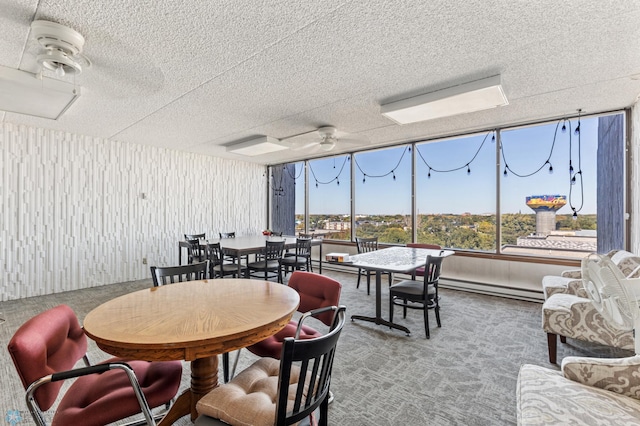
(63, 48)
(474, 96)
(328, 143)
(59, 62)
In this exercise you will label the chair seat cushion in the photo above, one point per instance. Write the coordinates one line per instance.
(249, 399)
(89, 402)
(272, 346)
(228, 267)
(292, 260)
(411, 288)
(261, 265)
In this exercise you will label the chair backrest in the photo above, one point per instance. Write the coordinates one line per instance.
(50, 342)
(273, 250)
(366, 245)
(214, 254)
(303, 247)
(316, 291)
(171, 274)
(194, 251)
(195, 236)
(315, 360)
(420, 271)
(225, 235)
(276, 234)
(432, 270)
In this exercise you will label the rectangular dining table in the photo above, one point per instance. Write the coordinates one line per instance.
(250, 244)
(392, 259)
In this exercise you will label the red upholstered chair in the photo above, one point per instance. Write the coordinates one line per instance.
(419, 272)
(316, 291)
(45, 350)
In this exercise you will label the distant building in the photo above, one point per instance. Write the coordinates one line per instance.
(337, 226)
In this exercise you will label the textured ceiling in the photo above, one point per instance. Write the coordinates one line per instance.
(196, 75)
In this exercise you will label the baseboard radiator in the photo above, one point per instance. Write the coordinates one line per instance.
(465, 285)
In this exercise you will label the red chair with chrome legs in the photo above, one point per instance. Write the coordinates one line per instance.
(316, 291)
(45, 350)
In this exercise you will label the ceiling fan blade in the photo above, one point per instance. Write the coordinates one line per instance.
(312, 141)
(300, 145)
(352, 139)
(302, 140)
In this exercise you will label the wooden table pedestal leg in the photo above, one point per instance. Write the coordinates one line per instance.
(204, 377)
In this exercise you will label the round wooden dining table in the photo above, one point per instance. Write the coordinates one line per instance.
(193, 321)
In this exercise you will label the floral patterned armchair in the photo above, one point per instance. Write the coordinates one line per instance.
(568, 315)
(568, 312)
(570, 281)
(588, 391)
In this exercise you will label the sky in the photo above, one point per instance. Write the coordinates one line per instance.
(457, 191)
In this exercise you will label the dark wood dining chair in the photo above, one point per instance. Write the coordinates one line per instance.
(298, 383)
(300, 259)
(366, 245)
(271, 262)
(218, 266)
(419, 294)
(162, 275)
(195, 251)
(195, 236)
(229, 256)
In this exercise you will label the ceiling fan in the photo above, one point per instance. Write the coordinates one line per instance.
(62, 48)
(118, 67)
(323, 139)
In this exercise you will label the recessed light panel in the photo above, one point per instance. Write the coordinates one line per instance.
(258, 146)
(469, 97)
(22, 92)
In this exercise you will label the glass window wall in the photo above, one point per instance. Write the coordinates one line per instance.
(383, 195)
(528, 190)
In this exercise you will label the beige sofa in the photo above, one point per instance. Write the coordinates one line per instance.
(588, 391)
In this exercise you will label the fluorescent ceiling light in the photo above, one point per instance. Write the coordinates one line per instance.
(469, 97)
(258, 146)
(22, 92)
